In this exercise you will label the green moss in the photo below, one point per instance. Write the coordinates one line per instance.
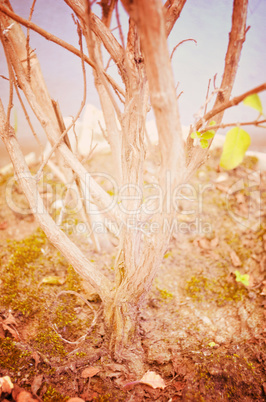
(19, 283)
(52, 395)
(200, 288)
(165, 294)
(49, 342)
(233, 376)
(12, 358)
(250, 162)
(73, 280)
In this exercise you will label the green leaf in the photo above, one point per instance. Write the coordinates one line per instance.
(242, 278)
(235, 146)
(195, 134)
(254, 102)
(204, 143)
(208, 135)
(212, 123)
(212, 344)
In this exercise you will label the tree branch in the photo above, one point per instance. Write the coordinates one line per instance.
(233, 102)
(112, 46)
(256, 123)
(58, 238)
(58, 41)
(172, 14)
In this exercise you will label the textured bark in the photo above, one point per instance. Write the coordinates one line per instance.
(144, 66)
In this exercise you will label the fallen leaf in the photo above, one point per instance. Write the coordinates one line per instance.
(152, 379)
(214, 242)
(6, 384)
(36, 383)
(204, 243)
(36, 358)
(235, 259)
(7, 324)
(12, 331)
(90, 372)
(10, 320)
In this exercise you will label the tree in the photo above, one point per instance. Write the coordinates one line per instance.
(145, 68)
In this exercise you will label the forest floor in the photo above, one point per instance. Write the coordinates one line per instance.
(203, 325)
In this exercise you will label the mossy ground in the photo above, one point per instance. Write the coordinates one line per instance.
(202, 331)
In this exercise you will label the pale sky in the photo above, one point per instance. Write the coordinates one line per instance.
(206, 21)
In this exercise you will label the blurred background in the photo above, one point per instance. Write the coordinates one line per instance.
(207, 22)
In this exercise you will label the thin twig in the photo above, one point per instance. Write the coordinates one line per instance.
(27, 117)
(99, 70)
(226, 105)
(180, 43)
(108, 64)
(256, 123)
(119, 26)
(54, 147)
(59, 42)
(83, 337)
(11, 82)
(207, 95)
(28, 40)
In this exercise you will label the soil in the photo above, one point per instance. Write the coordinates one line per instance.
(202, 327)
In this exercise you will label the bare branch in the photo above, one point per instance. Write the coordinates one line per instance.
(119, 26)
(83, 102)
(236, 39)
(27, 117)
(172, 13)
(49, 124)
(195, 156)
(226, 105)
(58, 238)
(28, 39)
(112, 46)
(256, 123)
(161, 83)
(58, 41)
(180, 43)
(207, 96)
(107, 11)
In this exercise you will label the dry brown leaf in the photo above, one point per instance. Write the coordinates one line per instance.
(90, 372)
(36, 383)
(12, 331)
(235, 259)
(204, 243)
(153, 379)
(10, 320)
(36, 358)
(214, 242)
(6, 384)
